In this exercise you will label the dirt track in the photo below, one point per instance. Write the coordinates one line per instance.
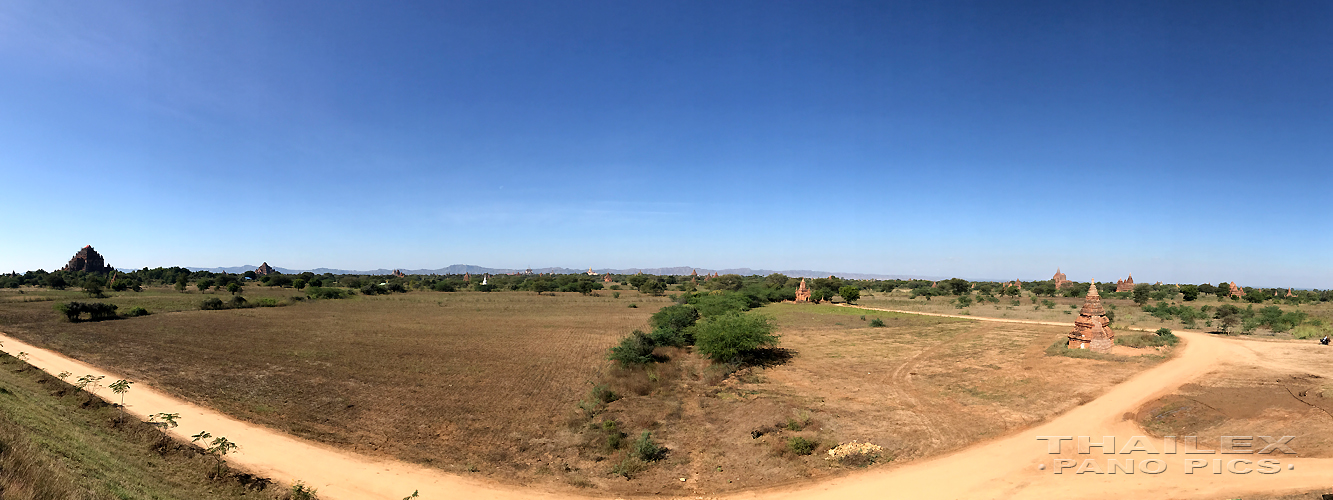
(1002, 468)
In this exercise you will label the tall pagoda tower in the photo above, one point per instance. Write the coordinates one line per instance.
(1092, 329)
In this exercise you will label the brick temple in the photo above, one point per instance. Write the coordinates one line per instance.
(1059, 279)
(1092, 329)
(265, 270)
(1125, 285)
(87, 259)
(803, 292)
(1236, 290)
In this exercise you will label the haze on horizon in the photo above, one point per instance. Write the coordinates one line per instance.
(1180, 142)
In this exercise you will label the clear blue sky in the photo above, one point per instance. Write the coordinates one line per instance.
(1178, 141)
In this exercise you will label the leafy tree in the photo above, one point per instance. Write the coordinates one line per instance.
(298, 284)
(167, 420)
(539, 285)
(957, 286)
(1190, 292)
(652, 287)
(93, 287)
(1142, 291)
(729, 337)
(181, 283)
(849, 294)
(730, 282)
(234, 288)
(204, 284)
(56, 282)
(1229, 316)
(776, 280)
(120, 387)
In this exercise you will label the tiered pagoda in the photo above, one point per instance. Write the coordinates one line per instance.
(1092, 329)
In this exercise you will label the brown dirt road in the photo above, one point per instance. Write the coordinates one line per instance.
(1006, 467)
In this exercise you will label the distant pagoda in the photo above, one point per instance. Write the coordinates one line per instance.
(803, 292)
(1236, 291)
(1092, 329)
(1059, 279)
(87, 260)
(1125, 285)
(265, 270)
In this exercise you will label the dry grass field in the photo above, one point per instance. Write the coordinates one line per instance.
(490, 383)
(1066, 309)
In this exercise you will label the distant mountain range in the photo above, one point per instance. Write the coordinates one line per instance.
(678, 271)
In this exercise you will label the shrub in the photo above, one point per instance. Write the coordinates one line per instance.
(71, 310)
(1163, 337)
(646, 450)
(628, 467)
(374, 290)
(614, 438)
(237, 302)
(727, 338)
(135, 312)
(876, 322)
(268, 302)
(675, 318)
(801, 446)
(211, 304)
(97, 311)
(711, 305)
(317, 292)
(670, 338)
(636, 349)
(443, 286)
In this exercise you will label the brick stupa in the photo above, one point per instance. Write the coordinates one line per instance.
(803, 292)
(1092, 329)
(1236, 291)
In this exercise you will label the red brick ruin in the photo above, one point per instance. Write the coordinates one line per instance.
(606, 278)
(1125, 285)
(264, 270)
(1236, 290)
(399, 273)
(803, 292)
(1092, 329)
(467, 277)
(88, 260)
(1060, 279)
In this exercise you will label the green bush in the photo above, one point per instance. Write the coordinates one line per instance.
(237, 302)
(728, 337)
(317, 292)
(801, 446)
(443, 286)
(135, 312)
(646, 450)
(97, 311)
(876, 322)
(268, 302)
(711, 305)
(1163, 337)
(675, 318)
(211, 304)
(636, 349)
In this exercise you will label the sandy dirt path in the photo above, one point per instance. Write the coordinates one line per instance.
(1007, 467)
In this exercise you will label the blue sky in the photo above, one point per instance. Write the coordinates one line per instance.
(1179, 141)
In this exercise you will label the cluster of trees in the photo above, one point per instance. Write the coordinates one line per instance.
(714, 323)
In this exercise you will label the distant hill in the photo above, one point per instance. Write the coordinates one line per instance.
(678, 271)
